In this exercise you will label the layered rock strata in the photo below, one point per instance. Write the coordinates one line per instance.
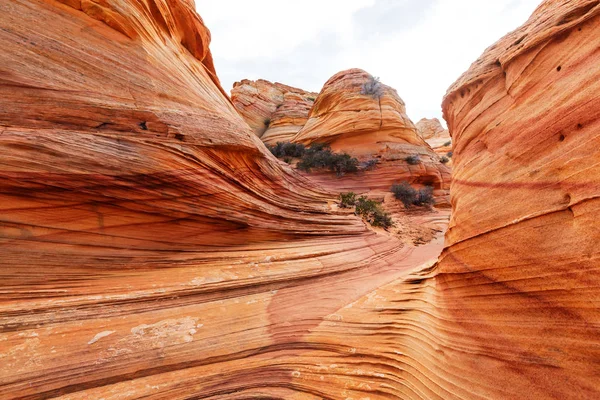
(274, 111)
(150, 245)
(371, 126)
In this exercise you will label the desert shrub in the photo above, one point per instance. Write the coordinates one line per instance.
(409, 196)
(444, 160)
(405, 193)
(319, 155)
(447, 143)
(310, 98)
(287, 160)
(372, 87)
(267, 122)
(372, 212)
(343, 163)
(413, 160)
(425, 197)
(382, 219)
(370, 164)
(347, 200)
(450, 154)
(287, 149)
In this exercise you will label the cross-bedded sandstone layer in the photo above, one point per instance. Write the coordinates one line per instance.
(150, 245)
(152, 248)
(274, 111)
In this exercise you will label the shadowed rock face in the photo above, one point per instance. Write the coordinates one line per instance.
(274, 111)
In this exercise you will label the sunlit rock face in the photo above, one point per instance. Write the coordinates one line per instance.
(431, 128)
(436, 136)
(274, 111)
(150, 245)
(152, 248)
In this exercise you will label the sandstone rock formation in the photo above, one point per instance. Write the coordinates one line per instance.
(371, 126)
(150, 245)
(519, 282)
(274, 111)
(151, 248)
(435, 135)
(431, 128)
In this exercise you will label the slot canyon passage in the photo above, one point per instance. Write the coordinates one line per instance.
(152, 247)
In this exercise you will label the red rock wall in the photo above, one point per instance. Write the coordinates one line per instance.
(519, 282)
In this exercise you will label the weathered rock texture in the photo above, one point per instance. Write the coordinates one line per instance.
(371, 127)
(152, 249)
(436, 136)
(431, 129)
(517, 288)
(274, 111)
(150, 245)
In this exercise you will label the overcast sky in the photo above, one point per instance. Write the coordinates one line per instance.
(419, 47)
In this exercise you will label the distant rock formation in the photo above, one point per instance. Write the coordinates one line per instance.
(431, 129)
(435, 135)
(274, 111)
(357, 114)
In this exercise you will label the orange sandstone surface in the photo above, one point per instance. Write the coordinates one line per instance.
(274, 111)
(435, 135)
(371, 127)
(152, 248)
(150, 245)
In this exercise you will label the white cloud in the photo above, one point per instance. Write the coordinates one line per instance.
(418, 47)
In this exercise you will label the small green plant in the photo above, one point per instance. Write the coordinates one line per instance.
(413, 160)
(409, 196)
(444, 160)
(372, 87)
(372, 212)
(448, 144)
(311, 98)
(287, 149)
(450, 154)
(319, 155)
(405, 193)
(347, 200)
(287, 160)
(425, 197)
(370, 164)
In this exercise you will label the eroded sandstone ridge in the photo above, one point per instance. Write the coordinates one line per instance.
(274, 111)
(357, 114)
(517, 288)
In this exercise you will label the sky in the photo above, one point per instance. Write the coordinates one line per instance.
(419, 47)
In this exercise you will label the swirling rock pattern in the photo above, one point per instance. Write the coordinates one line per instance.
(274, 111)
(371, 127)
(150, 245)
(519, 282)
